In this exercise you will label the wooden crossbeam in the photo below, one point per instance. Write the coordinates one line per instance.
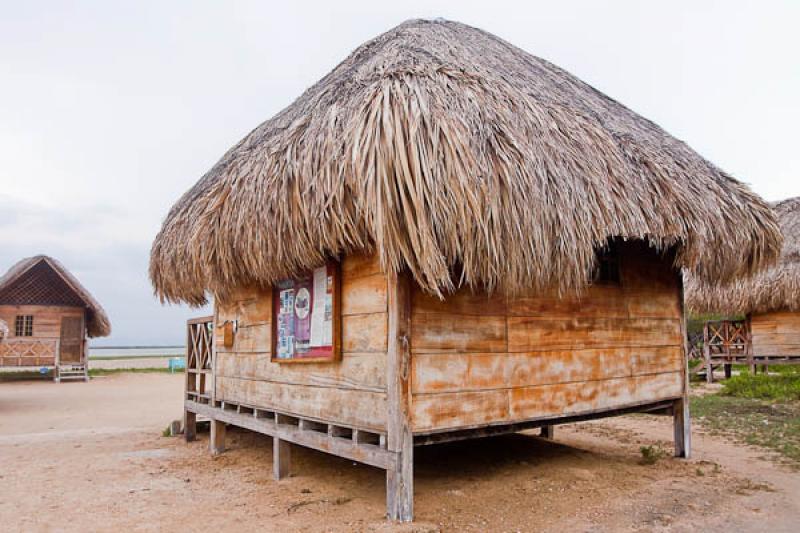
(289, 428)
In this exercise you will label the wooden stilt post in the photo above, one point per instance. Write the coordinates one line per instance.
(547, 432)
(400, 440)
(217, 441)
(680, 409)
(682, 428)
(728, 370)
(189, 426)
(281, 458)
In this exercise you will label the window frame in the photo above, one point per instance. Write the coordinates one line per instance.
(336, 347)
(23, 326)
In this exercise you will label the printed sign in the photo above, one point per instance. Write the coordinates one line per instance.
(303, 316)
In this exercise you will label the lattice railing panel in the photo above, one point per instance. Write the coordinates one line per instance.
(29, 352)
(199, 357)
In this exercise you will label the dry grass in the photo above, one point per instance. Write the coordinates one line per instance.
(771, 290)
(464, 160)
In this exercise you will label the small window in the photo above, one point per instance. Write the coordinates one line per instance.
(23, 326)
(607, 269)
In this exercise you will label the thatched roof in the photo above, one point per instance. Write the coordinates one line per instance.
(774, 289)
(41, 280)
(445, 149)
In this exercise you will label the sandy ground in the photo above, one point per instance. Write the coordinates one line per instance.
(90, 457)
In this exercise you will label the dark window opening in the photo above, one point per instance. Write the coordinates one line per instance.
(607, 268)
(23, 326)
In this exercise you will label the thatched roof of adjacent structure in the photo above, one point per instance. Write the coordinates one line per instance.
(17, 289)
(446, 149)
(774, 289)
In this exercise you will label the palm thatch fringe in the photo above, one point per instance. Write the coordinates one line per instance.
(774, 289)
(444, 148)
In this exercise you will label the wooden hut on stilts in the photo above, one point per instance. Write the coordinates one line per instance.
(447, 238)
(46, 316)
(767, 306)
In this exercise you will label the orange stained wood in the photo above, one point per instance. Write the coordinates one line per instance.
(502, 359)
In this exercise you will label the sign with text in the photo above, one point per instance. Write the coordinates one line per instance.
(305, 316)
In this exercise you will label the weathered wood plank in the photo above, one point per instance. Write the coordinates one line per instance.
(469, 409)
(250, 306)
(609, 301)
(247, 339)
(452, 372)
(365, 333)
(343, 406)
(364, 295)
(653, 304)
(786, 321)
(530, 334)
(462, 302)
(573, 398)
(776, 333)
(365, 371)
(780, 350)
(360, 265)
(441, 332)
(454, 410)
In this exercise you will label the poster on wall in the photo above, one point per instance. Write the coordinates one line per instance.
(304, 316)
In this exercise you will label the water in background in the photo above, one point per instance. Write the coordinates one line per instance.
(135, 351)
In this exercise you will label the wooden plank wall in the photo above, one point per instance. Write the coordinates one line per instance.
(776, 334)
(46, 328)
(480, 360)
(350, 392)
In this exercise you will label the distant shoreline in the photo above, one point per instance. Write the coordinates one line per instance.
(135, 352)
(142, 347)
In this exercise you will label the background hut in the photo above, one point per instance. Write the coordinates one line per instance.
(49, 315)
(769, 301)
(445, 238)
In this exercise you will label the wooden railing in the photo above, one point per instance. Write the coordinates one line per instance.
(28, 352)
(725, 342)
(199, 358)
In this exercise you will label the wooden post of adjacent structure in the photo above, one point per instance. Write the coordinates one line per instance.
(707, 354)
(681, 418)
(547, 432)
(189, 426)
(400, 440)
(217, 441)
(749, 346)
(281, 458)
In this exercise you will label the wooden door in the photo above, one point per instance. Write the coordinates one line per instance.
(71, 339)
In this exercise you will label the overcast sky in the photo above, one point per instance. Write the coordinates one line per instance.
(110, 110)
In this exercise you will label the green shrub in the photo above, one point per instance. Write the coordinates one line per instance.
(784, 386)
(651, 454)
